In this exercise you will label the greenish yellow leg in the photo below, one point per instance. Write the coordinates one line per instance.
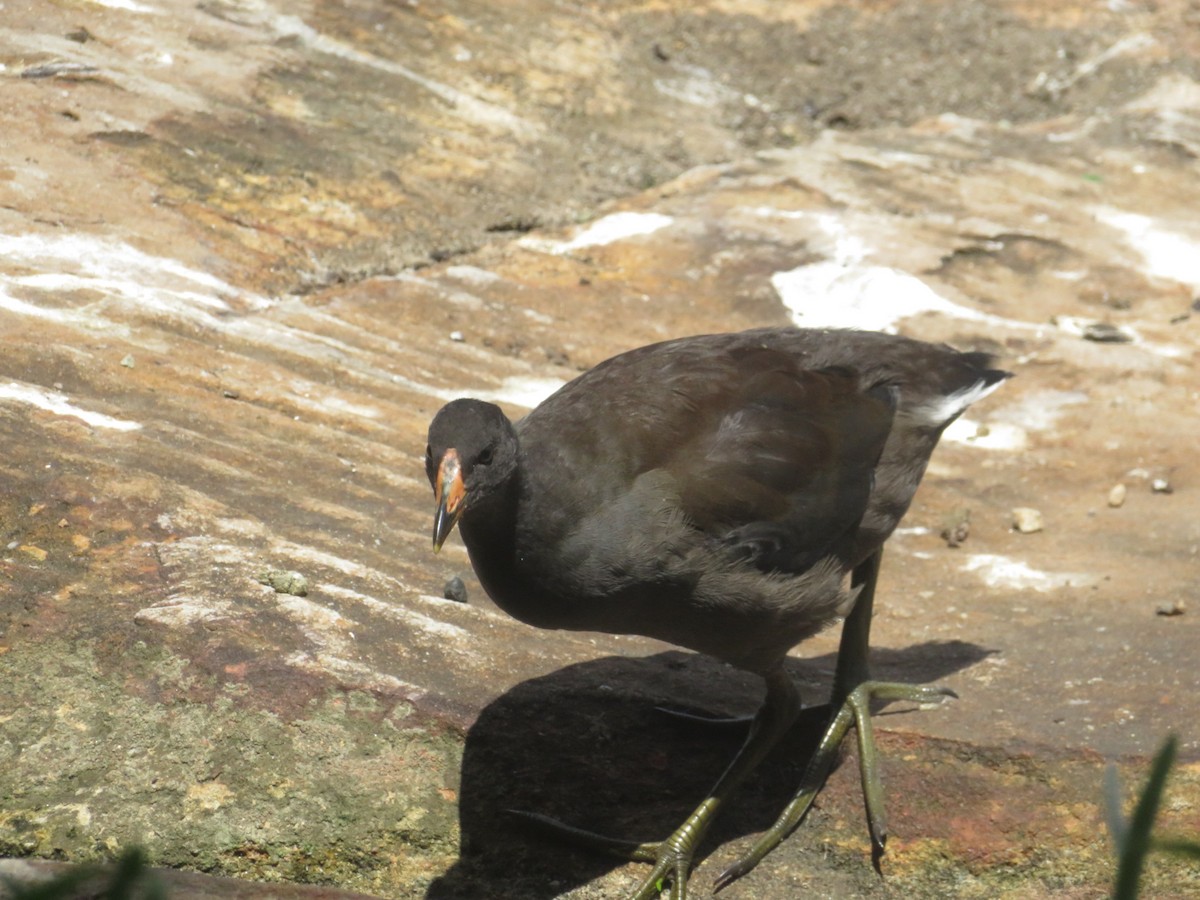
(851, 699)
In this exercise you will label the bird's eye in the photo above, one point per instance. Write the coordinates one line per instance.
(485, 456)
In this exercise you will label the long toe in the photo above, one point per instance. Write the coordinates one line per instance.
(631, 851)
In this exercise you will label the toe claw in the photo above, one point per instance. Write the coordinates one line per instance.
(730, 875)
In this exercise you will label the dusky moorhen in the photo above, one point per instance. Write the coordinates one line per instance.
(713, 492)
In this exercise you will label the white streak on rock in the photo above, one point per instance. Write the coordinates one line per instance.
(60, 405)
(606, 230)
(1003, 572)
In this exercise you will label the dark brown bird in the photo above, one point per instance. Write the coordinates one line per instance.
(713, 492)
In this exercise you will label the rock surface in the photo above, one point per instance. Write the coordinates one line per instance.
(247, 249)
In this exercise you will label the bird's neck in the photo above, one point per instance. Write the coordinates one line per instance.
(498, 556)
(490, 531)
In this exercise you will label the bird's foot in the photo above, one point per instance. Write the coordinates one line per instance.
(855, 710)
(671, 858)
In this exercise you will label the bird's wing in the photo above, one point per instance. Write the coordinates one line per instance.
(781, 468)
(771, 458)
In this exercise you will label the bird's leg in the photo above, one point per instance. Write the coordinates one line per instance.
(853, 691)
(672, 858)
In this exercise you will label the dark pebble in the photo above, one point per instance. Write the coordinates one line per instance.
(1104, 333)
(455, 590)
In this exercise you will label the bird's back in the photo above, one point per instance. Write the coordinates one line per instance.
(713, 491)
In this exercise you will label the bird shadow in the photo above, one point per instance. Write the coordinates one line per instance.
(589, 745)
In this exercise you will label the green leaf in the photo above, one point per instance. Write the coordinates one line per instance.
(1136, 844)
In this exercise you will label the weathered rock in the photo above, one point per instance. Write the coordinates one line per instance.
(309, 227)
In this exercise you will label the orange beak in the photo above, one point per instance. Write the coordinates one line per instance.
(450, 491)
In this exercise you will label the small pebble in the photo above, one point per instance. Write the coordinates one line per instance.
(1093, 330)
(457, 336)
(455, 590)
(1161, 486)
(1104, 333)
(1178, 608)
(284, 582)
(956, 527)
(1027, 520)
(1116, 496)
(127, 362)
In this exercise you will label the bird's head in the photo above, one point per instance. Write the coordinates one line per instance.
(471, 454)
